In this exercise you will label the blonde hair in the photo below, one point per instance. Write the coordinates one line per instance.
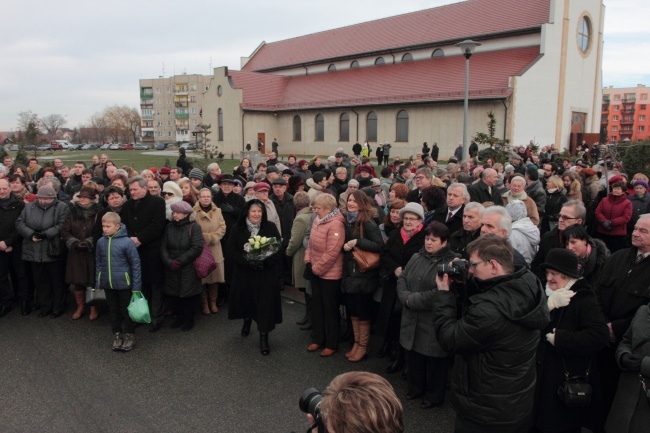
(326, 200)
(112, 217)
(193, 191)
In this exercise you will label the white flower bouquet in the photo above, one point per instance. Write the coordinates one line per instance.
(259, 248)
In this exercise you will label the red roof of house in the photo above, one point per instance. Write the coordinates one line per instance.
(468, 19)
(439, 79)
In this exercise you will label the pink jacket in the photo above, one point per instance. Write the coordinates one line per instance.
(325, 248)
(618, 210)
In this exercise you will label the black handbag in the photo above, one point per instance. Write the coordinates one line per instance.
(54, 247)
(95, 295)
(575, 391)
(309, 273)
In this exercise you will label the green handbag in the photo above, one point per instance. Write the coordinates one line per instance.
(139, 308)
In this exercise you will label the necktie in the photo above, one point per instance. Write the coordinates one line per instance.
(639, 257)
(490, 190)
(449, 216)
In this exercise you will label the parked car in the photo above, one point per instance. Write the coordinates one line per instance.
(114, 147)
(14, 148)
(140, 146)
(27, 147)
(89, 147)
(126, 147)
(105, 146)
(188, 146)
(72, 146)
(44, 147)
(161, 146)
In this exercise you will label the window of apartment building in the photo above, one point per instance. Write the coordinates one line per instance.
(354, 64)
(408, 57)
(380, 61)
(617, 97)
(159, 134)
(193, 87)
(371, 126)
(297, 128)
(616, 107)
(159, 123)
(207, 88)
(615, 118)
(169, 134)
(320, 128)
(402, 126)
(169, 112)
(158, 90)
(168, 89)
(220, 121)
(169, 101)
(641, 128)
(437, 53)
(159, 112)
(194, 122)
(644, 96)
(642, 118)
(344, 127)
(169, 123)
(614, 128)
(192, 98)
(193, 110)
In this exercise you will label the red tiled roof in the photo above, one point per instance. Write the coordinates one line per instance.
(439, 79)
(468, 19)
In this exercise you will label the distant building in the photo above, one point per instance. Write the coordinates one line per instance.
(625, 113)
(402, 80)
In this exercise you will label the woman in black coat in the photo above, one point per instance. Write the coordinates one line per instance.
(363, 233)
(578, 330)
(401, 245)
(255, 289)
(181, 245)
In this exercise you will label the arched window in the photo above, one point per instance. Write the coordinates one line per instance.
(402, 126)
(220, 120)
(344, 127)
(408, 57)
(380, 61)
(371, 126)
(320, 128)
(438, 53)
(584, 34)
(354, 64)
(331, 67)
(297, 128)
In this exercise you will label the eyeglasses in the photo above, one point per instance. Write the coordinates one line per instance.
(419, 177)
(565, 217)
(474, 265)
(410, 219)
(167, 193)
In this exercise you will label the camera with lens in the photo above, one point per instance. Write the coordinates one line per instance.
(309, 403)
(457, 269)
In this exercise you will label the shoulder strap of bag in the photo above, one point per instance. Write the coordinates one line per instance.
(566, 371)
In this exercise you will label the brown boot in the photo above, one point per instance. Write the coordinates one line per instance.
(204, 303)
(355, 329)
(213, 293)
(94, 313)
(364, 336)
(80, 297)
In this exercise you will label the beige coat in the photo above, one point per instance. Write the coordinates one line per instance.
(531, 206)
(296, 248)
(214, 227)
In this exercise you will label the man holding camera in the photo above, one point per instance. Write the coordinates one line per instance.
(495, 340)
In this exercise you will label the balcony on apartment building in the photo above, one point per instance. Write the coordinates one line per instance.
(146, 104)
(148, 138)
(628, 111)
(605, 107)
(146, 117)
(181, 103)
(627, 121)
(146, 94)
(182, 90)
(182, 115)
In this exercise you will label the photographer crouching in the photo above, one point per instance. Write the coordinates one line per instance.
(494, 340)
(354, 402)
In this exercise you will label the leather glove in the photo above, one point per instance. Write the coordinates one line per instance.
(81, 246)
(631, 361)
(559, 298)
(39, 235)
(550, 337)
(175, 265)
(607, 225)
(227, 208)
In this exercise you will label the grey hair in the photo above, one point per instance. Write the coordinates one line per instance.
(122, 172)
(519, 178)
(139, 179)
(579, 207)
(505, 220)
(462, 186)
(56, 183)
(474, 205)
(354, 182)
(212, 165)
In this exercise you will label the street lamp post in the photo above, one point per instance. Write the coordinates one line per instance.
(467, 47)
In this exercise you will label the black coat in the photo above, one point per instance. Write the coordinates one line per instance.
(459, 240)
(554, 203)
(183, 163)
(593, 267)
(549, 240)
(231, 206)
(395, 254)
(183, 241)
(479, 193)
(254, 293)
(623, 288)
(9, 213)
(434, 153)
(495, 341)
(287, 213)
(456, 221)
(361, 282)
(145, 219)
(580, 332)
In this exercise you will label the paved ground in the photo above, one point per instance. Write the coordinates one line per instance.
(58, 375)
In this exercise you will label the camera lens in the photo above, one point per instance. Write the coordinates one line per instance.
(310, 401)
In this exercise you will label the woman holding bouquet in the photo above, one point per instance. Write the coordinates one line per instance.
(255, 290)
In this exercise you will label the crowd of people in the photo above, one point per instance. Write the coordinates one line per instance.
(518, 277)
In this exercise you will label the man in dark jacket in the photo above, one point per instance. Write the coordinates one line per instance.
(535, 190)
(183, 163)
(286, 210)
(495, 340)
(10, 251)
(452, 213)
(435, 150)
(623, 288)
(485, 190)
(471, 230)
(144, 218)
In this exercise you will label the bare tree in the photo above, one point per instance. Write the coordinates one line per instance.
(52, 123)
(27, 117)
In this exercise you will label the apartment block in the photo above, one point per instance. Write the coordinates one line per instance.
(625, 113)
(171, 107)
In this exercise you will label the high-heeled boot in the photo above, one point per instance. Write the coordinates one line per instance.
(355, 330)
(264, 344)
(80, 297)
(205, 309)
(364, 338)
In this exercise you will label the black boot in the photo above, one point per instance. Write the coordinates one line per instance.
(5, 309)
(25, 308)
(348, 334)
(398, 364)
(246, 328)
(385, 349)
(264, 344)
(305, 319)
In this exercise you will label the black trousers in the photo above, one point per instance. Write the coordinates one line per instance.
(48, 279)
(325, 312)
(184, 308)
(428, 376)
(464, 425)
(14, 263)
(157, 301)
(118, 303)
(359, 305)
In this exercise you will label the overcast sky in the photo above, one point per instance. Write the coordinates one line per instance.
(76, 57)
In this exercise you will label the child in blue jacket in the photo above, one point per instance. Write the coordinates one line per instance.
(118, 274)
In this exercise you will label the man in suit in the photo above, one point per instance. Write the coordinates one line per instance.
(423, 179)
(452, 216)
(485, 190)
